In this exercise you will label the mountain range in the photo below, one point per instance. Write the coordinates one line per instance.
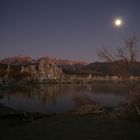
(70, 66)
(25, 60)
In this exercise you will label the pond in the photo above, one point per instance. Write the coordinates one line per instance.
(62, 97)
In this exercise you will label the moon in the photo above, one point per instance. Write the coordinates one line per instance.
(118, 22)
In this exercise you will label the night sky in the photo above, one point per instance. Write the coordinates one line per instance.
(69, 29)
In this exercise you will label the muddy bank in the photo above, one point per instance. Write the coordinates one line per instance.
(71, 126)
(21, 116)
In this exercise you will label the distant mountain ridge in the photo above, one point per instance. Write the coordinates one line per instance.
(70, 67)
(17, 60)
(64, 61)
(23, 60)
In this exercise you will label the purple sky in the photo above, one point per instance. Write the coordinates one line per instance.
(69, 29)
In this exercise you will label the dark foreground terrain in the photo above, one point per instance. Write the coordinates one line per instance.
(67, 127)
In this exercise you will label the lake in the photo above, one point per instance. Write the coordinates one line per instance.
(62, 97)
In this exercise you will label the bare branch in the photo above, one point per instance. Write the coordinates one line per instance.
(123, 60)
(105, 54)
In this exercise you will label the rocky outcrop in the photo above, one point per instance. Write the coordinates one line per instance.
(49, 70)
(44, 70)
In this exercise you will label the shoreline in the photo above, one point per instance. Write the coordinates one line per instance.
(67, 126)
(105, 112)
(54, 81)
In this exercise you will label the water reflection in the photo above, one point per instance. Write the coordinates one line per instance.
(60, 98)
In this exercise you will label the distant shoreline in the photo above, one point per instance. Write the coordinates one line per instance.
(12, 83)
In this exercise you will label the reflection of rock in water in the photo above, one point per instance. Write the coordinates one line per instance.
(47, 93)
(50, 93)
(44, 93)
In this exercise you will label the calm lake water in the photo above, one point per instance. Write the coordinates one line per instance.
(62, 98)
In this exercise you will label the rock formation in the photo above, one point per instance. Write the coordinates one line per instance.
(44, 70)
(49, 70)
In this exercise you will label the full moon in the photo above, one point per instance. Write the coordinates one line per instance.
(118, 22)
